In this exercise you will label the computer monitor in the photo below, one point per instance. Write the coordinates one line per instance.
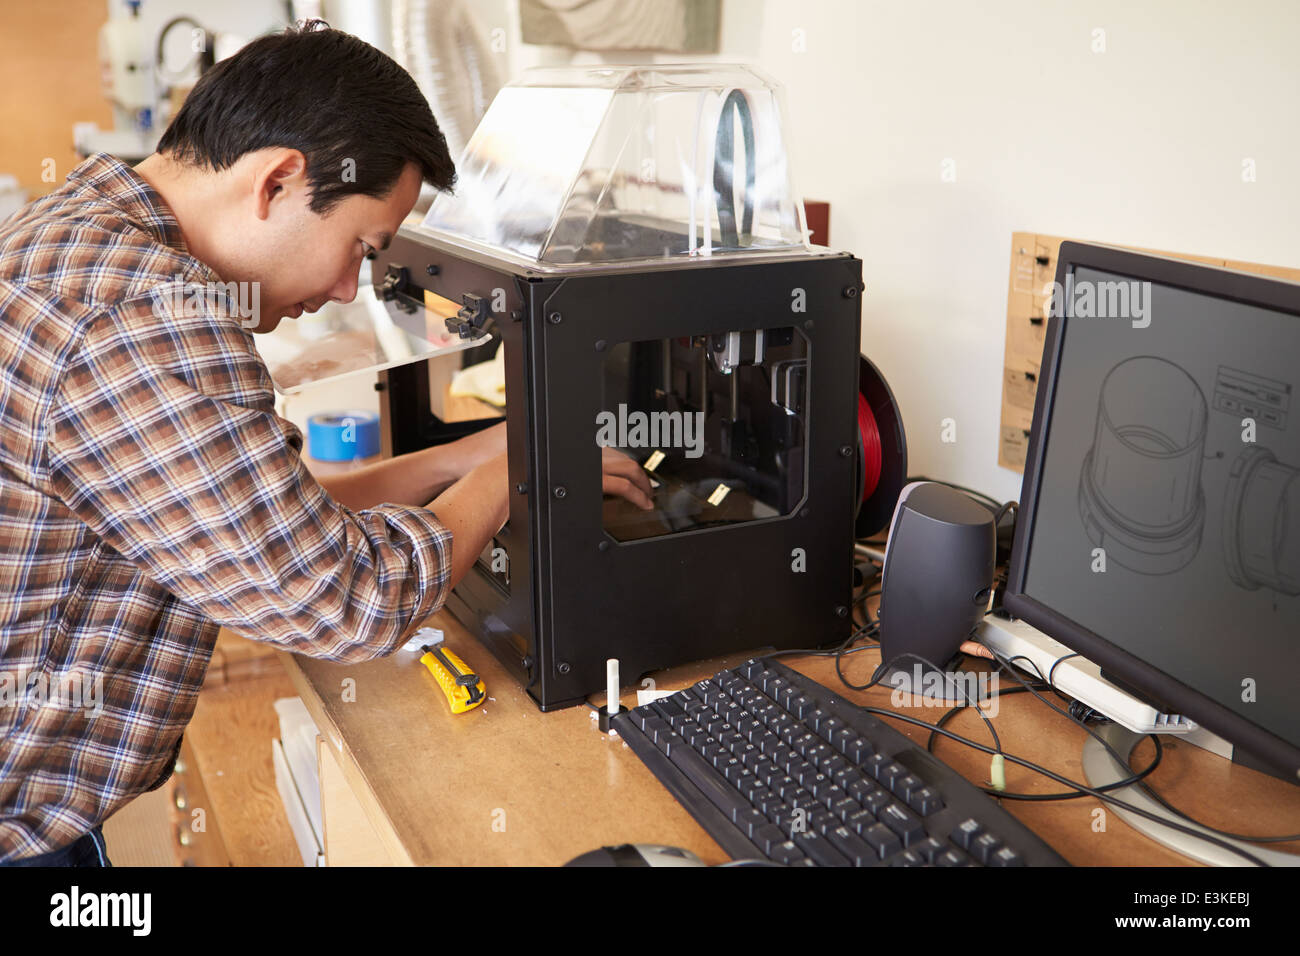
(1159, 527)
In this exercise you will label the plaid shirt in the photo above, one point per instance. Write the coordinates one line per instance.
(148, 494)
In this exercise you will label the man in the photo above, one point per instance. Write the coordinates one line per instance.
(148, 491)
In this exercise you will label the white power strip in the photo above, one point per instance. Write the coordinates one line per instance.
(1076, 677)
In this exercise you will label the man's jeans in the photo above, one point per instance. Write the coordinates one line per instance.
(88, 851)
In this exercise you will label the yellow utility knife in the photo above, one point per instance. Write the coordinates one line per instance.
(462, 687)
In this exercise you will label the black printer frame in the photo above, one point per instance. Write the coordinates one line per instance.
(576, 596)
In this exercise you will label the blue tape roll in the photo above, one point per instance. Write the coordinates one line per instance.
(342, 436)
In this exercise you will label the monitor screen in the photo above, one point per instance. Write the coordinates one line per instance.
(1164, 489)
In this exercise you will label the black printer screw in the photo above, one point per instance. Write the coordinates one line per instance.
(600, 345)
(555, 318)
(563, 667)
(560, 491)
(522, 487)
(841, 611)
(432, 270)
(845, 451)
(850, 292)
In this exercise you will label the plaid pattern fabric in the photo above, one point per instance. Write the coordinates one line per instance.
(148, 494)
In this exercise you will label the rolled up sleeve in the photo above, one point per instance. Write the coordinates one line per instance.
(189, 474)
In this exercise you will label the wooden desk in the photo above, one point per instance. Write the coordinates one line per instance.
(406, 782)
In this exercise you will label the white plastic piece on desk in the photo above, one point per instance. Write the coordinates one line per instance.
(425, 635)
(611, 686)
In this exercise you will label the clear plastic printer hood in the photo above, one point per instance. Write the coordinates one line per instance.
(594, 166)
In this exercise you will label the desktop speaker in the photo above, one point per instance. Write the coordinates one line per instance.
(938, 574)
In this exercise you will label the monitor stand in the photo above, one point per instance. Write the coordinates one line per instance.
(1101, 768)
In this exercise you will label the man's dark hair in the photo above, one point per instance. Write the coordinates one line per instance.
(321, 91)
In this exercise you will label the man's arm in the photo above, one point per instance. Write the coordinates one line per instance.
(418, 477)
(413, 479)
(474, 509)
(204, 490)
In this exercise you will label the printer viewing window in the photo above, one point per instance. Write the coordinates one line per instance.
(718, 421)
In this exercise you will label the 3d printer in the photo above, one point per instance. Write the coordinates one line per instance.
(632, 238)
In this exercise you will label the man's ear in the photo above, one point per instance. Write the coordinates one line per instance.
(280, 175)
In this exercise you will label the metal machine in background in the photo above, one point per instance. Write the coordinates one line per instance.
(633, 238)
(137, 82)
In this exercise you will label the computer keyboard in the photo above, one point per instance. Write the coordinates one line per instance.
(777, 767)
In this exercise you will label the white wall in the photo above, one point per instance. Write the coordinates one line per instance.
(1141, 144)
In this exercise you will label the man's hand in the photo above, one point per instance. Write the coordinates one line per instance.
(623, 475)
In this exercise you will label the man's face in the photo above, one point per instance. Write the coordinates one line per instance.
(302, 259)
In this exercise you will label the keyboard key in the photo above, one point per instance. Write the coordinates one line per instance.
(656, 726)
(859, 820)
(668, 708)
(907, 785)
(827, 729)
(965, 833)
(847, 776)
(831, 794)
(749, 821)
(859, 750)
(983, 846)
(699, 773)
(665, 742)
(876, 801)
(816, 754)
(818, 849)
(851, 846)
(903, 822)
(1005, 856)
(834, 765)
(822, 820)
(801, 706)
(845, 808)
(873, 764)
(804, 743)
(861, 789)
(891, 773)
(929, 848)
(906, 858)
(766, 837)
(926, 801)
(787, 853)
(882, 839)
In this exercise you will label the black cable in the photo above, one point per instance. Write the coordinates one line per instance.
(1029, 764)
(1044, 797)
(880, 672)
(1137, 778)
(1123, 762)
(1052, 670)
